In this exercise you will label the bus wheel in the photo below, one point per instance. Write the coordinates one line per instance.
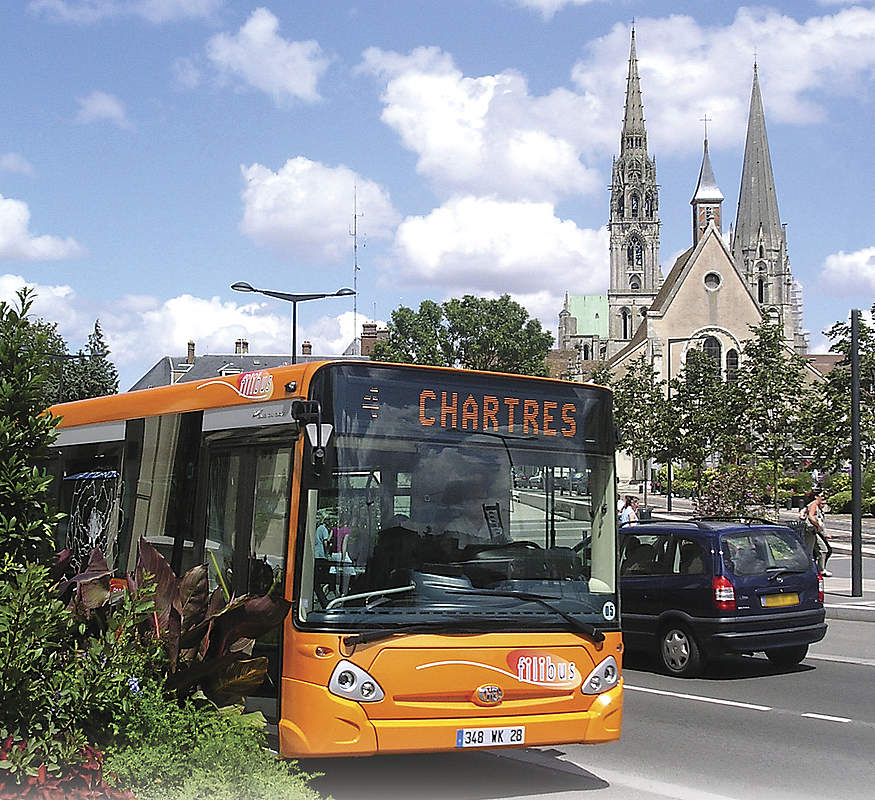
(679, 652)
(787, 656)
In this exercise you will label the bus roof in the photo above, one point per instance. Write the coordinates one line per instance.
(278, 383)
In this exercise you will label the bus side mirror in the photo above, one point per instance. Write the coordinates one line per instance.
(308, 413)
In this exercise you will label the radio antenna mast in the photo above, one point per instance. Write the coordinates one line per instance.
(357, 348)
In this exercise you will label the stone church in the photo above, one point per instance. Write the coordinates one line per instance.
(714, 291)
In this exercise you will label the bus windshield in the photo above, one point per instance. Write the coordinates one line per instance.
(460, 501)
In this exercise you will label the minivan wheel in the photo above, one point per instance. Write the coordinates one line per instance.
(787, 656)
(679, 652)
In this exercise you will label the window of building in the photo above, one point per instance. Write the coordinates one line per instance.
(731, 366)
(711, 347)
(633, 202)
(635, 283)
(648, 206)
(761, 290)
(712, 281)
(626, 317)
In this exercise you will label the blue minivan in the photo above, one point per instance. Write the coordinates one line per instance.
(692, 590)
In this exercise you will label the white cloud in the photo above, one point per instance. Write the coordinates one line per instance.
(306, 208)
(101, 106)
(167, 325)
(15, 162)
(483, 135)
(548, 8)
(86, 12)
(18, 243)
(264, 60)
(688, 69)
(850, 273)
(482, 245)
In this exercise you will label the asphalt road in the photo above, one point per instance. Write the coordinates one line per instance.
(745, 730)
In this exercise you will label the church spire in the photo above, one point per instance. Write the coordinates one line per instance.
(633, 135)
(707, 199)
(757, 224)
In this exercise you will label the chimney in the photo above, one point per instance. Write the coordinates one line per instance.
(189, 359)
(241, 347)
(306, 348)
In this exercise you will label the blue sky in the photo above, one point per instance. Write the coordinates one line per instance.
(152, 152)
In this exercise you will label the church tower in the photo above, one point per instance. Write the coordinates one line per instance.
(759, 243)
(707, 201)
(634, 221)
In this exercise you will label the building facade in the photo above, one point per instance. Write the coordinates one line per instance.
(717, 289)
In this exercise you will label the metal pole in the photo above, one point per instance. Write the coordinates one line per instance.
(294, 331)
(668, 465)
(856, 472)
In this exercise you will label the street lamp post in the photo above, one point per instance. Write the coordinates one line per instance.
(294, 299)
(671, 341)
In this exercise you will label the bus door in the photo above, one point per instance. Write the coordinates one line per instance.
(246, 511)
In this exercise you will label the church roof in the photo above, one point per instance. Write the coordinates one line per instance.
(666, 290)
(707, 189)
(757, 199)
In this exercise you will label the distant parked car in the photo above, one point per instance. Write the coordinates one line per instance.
(696, 589)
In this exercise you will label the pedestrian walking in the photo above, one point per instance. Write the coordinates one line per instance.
(815, 531)
(629, 514)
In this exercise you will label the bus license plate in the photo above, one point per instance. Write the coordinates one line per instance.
(490, 737)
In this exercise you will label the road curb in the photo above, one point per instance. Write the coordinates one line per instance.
(849, 611)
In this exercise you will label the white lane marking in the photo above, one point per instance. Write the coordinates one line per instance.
(714, 700)
(827, 718)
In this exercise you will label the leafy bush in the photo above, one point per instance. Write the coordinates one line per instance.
(26, 524)
(840, 502)
(191, 752)
(63, 686)
(838, 482)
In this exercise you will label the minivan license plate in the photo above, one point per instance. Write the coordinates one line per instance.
(775, 600)
(490, 737)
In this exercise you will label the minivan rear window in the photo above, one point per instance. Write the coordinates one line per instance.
(756, 552)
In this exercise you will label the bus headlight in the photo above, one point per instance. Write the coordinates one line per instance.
(353, 683)
(605, 676)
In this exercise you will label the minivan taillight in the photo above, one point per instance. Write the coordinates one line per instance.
(819, 587)
(724, 594)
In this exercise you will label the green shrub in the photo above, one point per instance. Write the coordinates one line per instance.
(61, 686)
(840, 502)
(197, 752)
(838, 482)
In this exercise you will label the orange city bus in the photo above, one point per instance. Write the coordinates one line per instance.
(447, 539)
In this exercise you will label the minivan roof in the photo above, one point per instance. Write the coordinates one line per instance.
(701, 525)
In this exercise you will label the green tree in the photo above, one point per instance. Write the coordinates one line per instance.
(640, 410)
(471, 332)
(92, 374)
(772, 387)
(602, 374)
(826, 414)
(696, 413)
(414, 337)
(26, 523)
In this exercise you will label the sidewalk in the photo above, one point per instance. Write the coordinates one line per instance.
(838, 601)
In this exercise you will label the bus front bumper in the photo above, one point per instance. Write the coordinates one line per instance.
(339, 727)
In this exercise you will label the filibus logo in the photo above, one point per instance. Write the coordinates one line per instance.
(251, 385)
(545, 669)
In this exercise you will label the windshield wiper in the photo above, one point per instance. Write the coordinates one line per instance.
(380, 593)
(467, 625)
(579, 626)
(777, 572)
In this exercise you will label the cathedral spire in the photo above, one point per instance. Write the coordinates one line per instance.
(633, 134)
(757, 224)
